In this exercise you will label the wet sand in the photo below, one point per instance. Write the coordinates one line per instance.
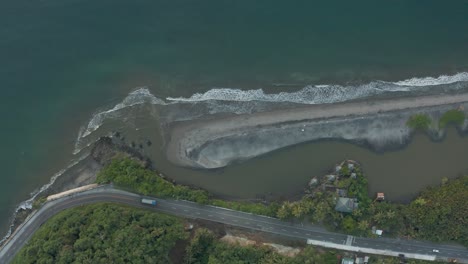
(187, 138)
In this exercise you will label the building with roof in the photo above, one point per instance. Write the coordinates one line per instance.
(346, 205)
(380, 196)
(347, 261)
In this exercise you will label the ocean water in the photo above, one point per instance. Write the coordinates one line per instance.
(64, 62)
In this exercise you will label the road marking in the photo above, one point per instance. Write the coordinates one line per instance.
(191, 209)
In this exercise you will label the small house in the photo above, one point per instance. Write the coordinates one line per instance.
(380, 196)
(376, 231)
(359, 260)
(366, 259)
(346, 205)
(347, 261)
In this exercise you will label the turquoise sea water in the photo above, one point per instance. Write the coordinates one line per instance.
(63, 60)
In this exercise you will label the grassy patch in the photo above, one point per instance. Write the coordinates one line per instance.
(454, 117)
(419, 122)
(128, 173)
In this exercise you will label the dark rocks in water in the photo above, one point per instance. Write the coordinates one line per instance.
(105, 149)
(116, 134)
(140, 146)
(149, 143)
(19, 217)
(132, 144)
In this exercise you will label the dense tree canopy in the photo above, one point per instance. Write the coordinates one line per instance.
(441, 213)
(103, 233)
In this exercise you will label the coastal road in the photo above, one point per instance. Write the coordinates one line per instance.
(225, 216)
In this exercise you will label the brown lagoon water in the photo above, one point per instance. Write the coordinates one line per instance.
(63, 60)
(401, 174)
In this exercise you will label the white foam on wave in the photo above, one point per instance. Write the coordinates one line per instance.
(216, 98)
(311, 94)
(317, 94)
(430, 81)
(137, 97)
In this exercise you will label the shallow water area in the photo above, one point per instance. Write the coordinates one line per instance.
(65, 60)
(400, 174)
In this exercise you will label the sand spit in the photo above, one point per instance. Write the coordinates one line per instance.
(217, 142)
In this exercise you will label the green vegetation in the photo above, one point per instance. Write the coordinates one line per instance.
(423, 122)
(419, 122)
(439, 214)
(205, 248)
(109, 233)
(39, 202)
(256, 208)
(455, 117)
(129, 173)
(103, 233)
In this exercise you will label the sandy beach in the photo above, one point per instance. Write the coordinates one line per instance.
(188, 139)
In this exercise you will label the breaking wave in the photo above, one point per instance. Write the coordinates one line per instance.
(318, 94)
(240, 101)
(430, 81)
(139, 96)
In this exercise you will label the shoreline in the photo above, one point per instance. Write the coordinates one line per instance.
(79, 174)
(84, 172)
(188, 139)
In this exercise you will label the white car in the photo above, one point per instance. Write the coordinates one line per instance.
(435, 250)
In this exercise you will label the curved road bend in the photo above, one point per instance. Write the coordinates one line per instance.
(221, 215)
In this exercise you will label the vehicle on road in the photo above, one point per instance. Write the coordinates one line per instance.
(148, 201)
(435, 250)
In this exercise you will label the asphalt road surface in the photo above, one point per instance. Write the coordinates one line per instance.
(220, 215)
